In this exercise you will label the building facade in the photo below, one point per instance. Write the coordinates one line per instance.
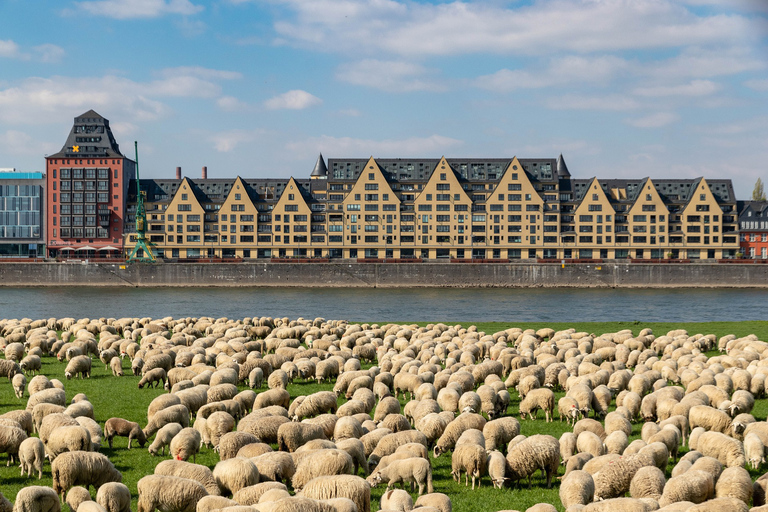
(22, 214)
(87, 183)
(457, 209)
(753, 229)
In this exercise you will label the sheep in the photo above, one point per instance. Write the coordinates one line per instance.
(265, 428)
(68, 438)
(32, 455)
(78, 365)
(754, 450)
(218, 424)
(693, 485)
(590, 425)
(196, 472)
(19, 382)
(49, 396)
(292, 435)
(709, 418)
(354, 447)
(36, 498)
(214, 503)
(340, 486)
(136, 366)
(471, 459)
(729, 451)
(163, 438)
(576, 489)
(231, 442)
(174, 414)
(589, 442)
(670, 436)
(454, 430)
(9, 368)
(396, 500)
(616, 442)
(436, 501)
(252, 494)
(648, 482)
(256, 378)
(114, 497)
(82, 468)
(275, 466)
(321, 462)
(10, 441)
(541, 398)
(124, 428)
(83, 408)
(272, 397)
(736, 483)
(533, 453)
(568, 409)
(154, 378)
(76, 496)
(116, 364)
(233, 474)
(414, 470)
(23, 418)
(185, 444)
(169, 493)
(614, 480)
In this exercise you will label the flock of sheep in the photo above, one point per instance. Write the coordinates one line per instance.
(459, 384)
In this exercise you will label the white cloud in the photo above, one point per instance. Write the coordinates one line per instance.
(46, 100)
(615, 102)
(293, 100)
(48, 53)
(201, 72)
(654, 120)
(706, 62)
(9, 49)
(757, 84)
(464, 28)
(42, 53)
(390, 76)
(232, 104)
(414, 146)
(694, 88)
(224, 142)
(132, 9)
(15, 142)
(560, 71)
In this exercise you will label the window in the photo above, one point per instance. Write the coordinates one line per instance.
(649, 207)
(291, 207)
(531, 207)
(639, 218)
(443, 186)
(238, 197)
(425, 207)
(442, 177)
(352, 208)
(595, 208)
(594, 197)
(375, 197)
(371, 176)
(371, 186)
(184, 197)
(514, 197)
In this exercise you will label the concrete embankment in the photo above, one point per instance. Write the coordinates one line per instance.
(383, 275)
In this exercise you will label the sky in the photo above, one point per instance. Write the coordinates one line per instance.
(258, 88)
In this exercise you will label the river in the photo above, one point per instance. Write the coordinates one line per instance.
(397, 305)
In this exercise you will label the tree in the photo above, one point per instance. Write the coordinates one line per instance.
(758, 194)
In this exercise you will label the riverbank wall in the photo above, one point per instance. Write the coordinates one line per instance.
(387, 275)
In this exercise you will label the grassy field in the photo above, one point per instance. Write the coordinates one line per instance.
(120, 397)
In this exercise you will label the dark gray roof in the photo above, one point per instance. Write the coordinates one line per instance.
(90, 137)
(216, 190)
(562, 169)
(320, 169)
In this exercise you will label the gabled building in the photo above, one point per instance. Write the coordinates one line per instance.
(753, 229)
(86, 185)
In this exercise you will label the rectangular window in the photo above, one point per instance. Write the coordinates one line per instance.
(639, 218)
(595, 208)
(425, 207)
(371, 186)
(514, 197)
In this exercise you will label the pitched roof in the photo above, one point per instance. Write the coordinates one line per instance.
(90, 137)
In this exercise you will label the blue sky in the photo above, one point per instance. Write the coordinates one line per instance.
(256, 88)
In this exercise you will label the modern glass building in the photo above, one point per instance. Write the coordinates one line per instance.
(21, 213)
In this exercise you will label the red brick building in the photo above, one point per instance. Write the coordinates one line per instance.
(87, 184)
(753, 228)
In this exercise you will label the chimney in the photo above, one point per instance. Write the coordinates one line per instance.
(178, 173)
(205, 173)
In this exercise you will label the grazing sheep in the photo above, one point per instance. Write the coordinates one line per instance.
(272, 397)
(709, 418)
(396, 500)
(218, 424)
(292, 435)
(320, 463)
(196, 472)
(615, 479)
(414, 470)
(124, 428)
(154, 378)
(185, 444)
(54, 396)
(693, 485)
(234, 474)
(736, 483)
(117, 366)
(534, 453)
(19, 382)
(82, 468)
(169, 493)
(471, 459)
(576, 489)
(163, 438)
(729, 451)
(114, 497)
(252, 494)
(68, 438)
(275, 466)
(78, 365)
(568, 409)
(340, 486)
(32, 455)
(541, 398)
(231, 443)
(76, 496)
(453, 431)
(173, 414)
(36, 498)
(10, 441)
(648, 482)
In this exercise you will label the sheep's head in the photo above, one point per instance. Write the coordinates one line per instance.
(734, 410)
(68, 375)
(375, 478)
(437, 451)
(738, 427)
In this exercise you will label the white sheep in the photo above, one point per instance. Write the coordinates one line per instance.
(472, 459)
(32, 456)
(169, 493)
(414, 470)
(196, 472)
(163, 438)
(114, 497)
(233, 474)
(185, 444)
(535, 399)
(576, 489)
(19, 382)
(82, 468)
(36, 498)
(78, 365)
(396, 500)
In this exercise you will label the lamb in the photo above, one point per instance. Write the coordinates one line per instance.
(736, 483)
(320, 463)
(36, 498)
(291, 435)
(693, 485)
(729, 451)
(648, 482)
(163, 438)
(124, 428)
(471, 459)
(396, 500)
(169, 493)
(196, 472)
(19, 382)
(116, 364)
(541, 398)
(576, 489)
(174, 414)
(82, 468)
(453, 431)
(414, 470)
(340, 486)
(114, 497)
(78, 365)
(32, 455)
(233, 474)
(76, 496)
(185, 444)
(533, 453)
(154, 378)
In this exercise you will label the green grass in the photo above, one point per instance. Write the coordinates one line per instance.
(120, 397)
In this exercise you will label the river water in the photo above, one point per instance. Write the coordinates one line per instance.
(397, 305)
